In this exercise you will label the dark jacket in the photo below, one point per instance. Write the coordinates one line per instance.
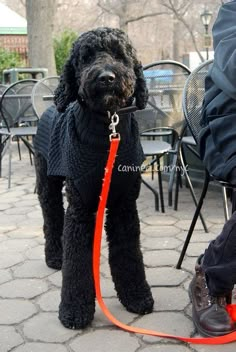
(218, 135)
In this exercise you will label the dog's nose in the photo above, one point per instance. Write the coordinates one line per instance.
(106, 77)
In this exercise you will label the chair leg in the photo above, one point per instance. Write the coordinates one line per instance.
(9, 164)
(190, 186)
(160, 184)
(178, 184)
(18, 146)
(171, 181)
(156, 196)
(225, 204)
(153, 170)
(194, 220)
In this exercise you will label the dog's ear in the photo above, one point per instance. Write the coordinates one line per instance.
(67, 90)
(141, 91)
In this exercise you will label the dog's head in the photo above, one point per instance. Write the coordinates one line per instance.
(102, 73)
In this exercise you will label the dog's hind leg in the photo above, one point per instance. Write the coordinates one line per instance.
(125, 258)
(49, 191)
(77, 305)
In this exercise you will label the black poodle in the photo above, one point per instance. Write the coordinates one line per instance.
(101, 76)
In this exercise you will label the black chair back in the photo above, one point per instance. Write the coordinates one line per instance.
(193, 96)
(43, 93)
(16, 104)
(165, 81)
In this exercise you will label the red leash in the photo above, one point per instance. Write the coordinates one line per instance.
(96, 264)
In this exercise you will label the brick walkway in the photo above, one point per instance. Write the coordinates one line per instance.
(30, 291)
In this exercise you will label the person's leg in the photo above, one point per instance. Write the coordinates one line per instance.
(211, 287)
(219, 261)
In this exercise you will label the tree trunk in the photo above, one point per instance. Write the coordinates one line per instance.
(40, 18)
(176, 40)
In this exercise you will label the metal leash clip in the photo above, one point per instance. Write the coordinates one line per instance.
(114, 122)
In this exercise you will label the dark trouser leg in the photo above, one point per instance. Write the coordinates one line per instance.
(126, 259)
(78, 295)
(49, 191)
(219, 261)
(233, 200)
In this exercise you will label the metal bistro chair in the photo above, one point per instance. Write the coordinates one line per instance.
(43, 93)
(161, 123)
(16, 116)
(192, 106)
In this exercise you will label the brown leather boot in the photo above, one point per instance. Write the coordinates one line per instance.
(209, 313)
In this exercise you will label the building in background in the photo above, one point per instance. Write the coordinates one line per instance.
(13, 31)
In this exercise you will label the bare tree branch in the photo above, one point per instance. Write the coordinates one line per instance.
(180, 17)
(146, 15)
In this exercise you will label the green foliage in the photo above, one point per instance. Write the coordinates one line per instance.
(62, 47)
(9, 59)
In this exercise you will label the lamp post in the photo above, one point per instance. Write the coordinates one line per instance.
(206, 19)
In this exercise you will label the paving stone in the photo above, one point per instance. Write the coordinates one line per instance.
(6, 228)
(185, 224)
(37, 221)
(165, 276)
(35, 213)
(166, 348)
(18, 210)
(105, 269)
(15, 219)
(105, 341)
(216, 229)
(55, 279)
(6, 261)
(160, 258)
(41, 347)
(49, 301)
(219, 348)
(28, 202)
(9, 338)
(4, 206)
(13, 245)
(3, 238)
(35, 253)
(189, 264)
(46, 327)
(5, 276)
(41, 239)
(107, 287)
(166, 322)
(32, 269)
(25, 232)
(23, 288)
(194, 250)
(161, 231)
(216, 220)
(13, 311)
(159, 243)
(167, 299)
(160, 220)
(198, 236)
(116, 309)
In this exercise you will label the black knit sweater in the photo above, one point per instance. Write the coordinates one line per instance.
(76, 144)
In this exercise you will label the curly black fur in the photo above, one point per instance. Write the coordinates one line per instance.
(102, 74)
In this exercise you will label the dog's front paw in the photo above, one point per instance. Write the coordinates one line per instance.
(139, 301)
(75, 316)
(142, 305)
(53, 258)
